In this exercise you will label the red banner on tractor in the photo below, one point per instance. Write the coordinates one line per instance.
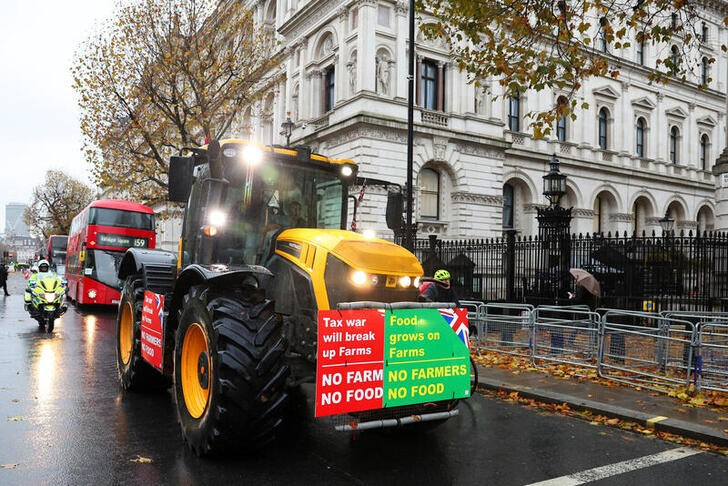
(151, 328)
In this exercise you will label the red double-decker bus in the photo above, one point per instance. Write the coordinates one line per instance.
(99, 236)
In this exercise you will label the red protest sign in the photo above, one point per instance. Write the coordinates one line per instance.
(151, 328)
(349, 369)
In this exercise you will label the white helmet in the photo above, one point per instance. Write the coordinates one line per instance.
(40, 266)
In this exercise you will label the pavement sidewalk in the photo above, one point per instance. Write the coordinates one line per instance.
(664, 413)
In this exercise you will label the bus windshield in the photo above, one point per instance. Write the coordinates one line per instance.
(121, 218)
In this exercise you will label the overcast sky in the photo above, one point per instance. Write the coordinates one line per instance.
(38, 112)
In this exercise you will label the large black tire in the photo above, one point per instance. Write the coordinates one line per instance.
(134, 373)
(229, 372)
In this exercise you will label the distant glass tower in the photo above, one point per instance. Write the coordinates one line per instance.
(14, 224)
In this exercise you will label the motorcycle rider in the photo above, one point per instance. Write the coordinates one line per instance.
(44, 271)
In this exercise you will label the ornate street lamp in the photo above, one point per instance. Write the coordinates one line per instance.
(667, 223)
(553, 229)
(287, 128)
(554, 183)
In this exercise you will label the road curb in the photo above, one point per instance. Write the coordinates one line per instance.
(669, 425)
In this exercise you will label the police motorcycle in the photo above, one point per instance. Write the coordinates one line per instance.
(45, 296)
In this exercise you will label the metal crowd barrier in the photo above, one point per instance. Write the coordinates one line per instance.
(710, 356)
(711, 362)
(654, 351)
(506, 328)
(644, 349)
(567, 335)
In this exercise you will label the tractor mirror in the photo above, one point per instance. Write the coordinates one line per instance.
(180, 178)
(395, 204)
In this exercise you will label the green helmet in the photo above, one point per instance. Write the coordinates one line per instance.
(441, 275)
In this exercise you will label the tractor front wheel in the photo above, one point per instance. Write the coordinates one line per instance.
(134, 373)
(229, 372)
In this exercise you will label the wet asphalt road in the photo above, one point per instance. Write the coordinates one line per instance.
(64, 420)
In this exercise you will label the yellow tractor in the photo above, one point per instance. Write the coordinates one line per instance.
(231, 318)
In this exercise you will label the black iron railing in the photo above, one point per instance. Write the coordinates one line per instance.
(647, 272)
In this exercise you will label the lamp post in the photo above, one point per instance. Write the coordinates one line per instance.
(553, 228)
(287, 128)
(667, 224)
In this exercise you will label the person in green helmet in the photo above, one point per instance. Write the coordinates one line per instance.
(441, 290)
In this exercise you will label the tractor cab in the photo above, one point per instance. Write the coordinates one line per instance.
(242, 195)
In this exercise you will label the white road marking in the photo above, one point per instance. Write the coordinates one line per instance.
(619, 468)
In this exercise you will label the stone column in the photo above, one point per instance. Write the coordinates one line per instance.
(366, 45)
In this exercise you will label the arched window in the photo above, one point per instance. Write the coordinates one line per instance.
(514, 113)
(704, 71)
(508, 200)
(603, 117)
(429, 194)
(704, 155)
(561, 122)
(640, 137)
(674, 136)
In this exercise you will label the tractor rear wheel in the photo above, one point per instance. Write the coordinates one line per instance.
(134, 373)
(229, 371)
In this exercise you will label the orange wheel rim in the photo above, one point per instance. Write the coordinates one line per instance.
(126, 334)
(195, 370)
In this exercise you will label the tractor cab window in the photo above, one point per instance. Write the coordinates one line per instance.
(258, 206)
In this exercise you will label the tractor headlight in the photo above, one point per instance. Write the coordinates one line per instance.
(405, 281)
(417, 282)
(252, 155)
(359, 278)
(217, 218)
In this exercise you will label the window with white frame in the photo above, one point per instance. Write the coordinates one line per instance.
(640, 137)
(428, 85)
(704, 151)
(640, 52)
(561, 121)
(674, 144)
(429, 194)
(508, 204)
(329, 88)
(602, 122)
(514, 113)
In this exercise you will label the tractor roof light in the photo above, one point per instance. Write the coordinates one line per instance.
(252, 155)
(347, 170)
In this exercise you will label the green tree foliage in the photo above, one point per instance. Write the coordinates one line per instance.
(163, 75)
(537, 44)
(55, 203)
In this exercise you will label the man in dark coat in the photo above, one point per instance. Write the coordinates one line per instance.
(4, 278)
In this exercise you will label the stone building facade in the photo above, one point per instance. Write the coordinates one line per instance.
(637, 152)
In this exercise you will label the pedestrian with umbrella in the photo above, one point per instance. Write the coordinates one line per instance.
(588, 289)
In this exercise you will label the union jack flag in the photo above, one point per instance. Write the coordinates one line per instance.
(457, 319)
(159, 306)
